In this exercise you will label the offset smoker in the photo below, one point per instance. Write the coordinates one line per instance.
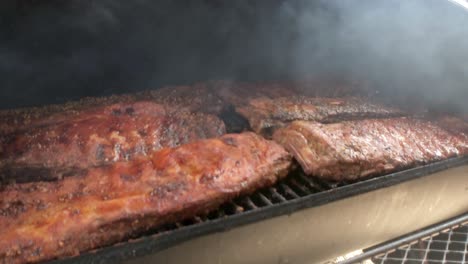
(94, 196)
(294, 193)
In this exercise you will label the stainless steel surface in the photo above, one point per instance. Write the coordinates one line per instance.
(322, 233)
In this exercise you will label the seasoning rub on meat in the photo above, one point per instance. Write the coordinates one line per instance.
(265, 114)
(198, 97)
(46, 220)
(354, 149)
(99, 136)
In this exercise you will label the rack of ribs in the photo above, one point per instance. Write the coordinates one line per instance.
(46, 220)
(265, 115)
(452, 123)
(196, 98)
(239, 94)
(355, 149)
(98, 137)
(26, 118)
(210, 97)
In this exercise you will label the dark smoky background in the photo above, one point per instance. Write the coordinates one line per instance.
(52, 51)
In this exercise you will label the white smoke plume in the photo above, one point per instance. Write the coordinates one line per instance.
(53, 51)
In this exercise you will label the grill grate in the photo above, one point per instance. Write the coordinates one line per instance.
(449, 246)
(445, 242)
(297, 185)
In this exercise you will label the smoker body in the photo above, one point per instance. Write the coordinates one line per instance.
(322, 233)
(104, 48)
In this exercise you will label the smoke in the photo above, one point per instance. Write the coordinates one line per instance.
(409, 50)
(56, 51)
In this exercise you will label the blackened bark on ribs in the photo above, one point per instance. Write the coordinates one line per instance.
(98, 137)
(22, 119)
(213, 97)
(266, 115)
(356, 149)
(199, 97)
(451, 123)
(45, 220)
(239, 94)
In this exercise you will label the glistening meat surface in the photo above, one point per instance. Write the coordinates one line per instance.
(266, 115)
(45, 220)
(355, 149)
(98, 137)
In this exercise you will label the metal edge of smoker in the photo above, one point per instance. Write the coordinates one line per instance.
(160, 241)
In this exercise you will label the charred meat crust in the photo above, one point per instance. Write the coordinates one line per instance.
(265, 115)
(100, 136)
(355, 149)
(453, 124)
(113, 203)
(199, 97)
(210, 97)
(23, 119)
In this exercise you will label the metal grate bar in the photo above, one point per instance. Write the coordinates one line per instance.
(407, 249)
(288, 191)
(312, 185)
(300, 187)
(415, 260)
(434, 250)
(236, 208)
(277, 195)
(264, 199)
(427, 249)
(448, 246)
(249, 203)
(445, 242)
(465, 252)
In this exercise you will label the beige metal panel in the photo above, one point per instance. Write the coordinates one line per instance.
(322, 233)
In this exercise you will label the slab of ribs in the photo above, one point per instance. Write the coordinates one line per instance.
(355, 149)
(104, 170)
(42, 220)
(98, 137)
